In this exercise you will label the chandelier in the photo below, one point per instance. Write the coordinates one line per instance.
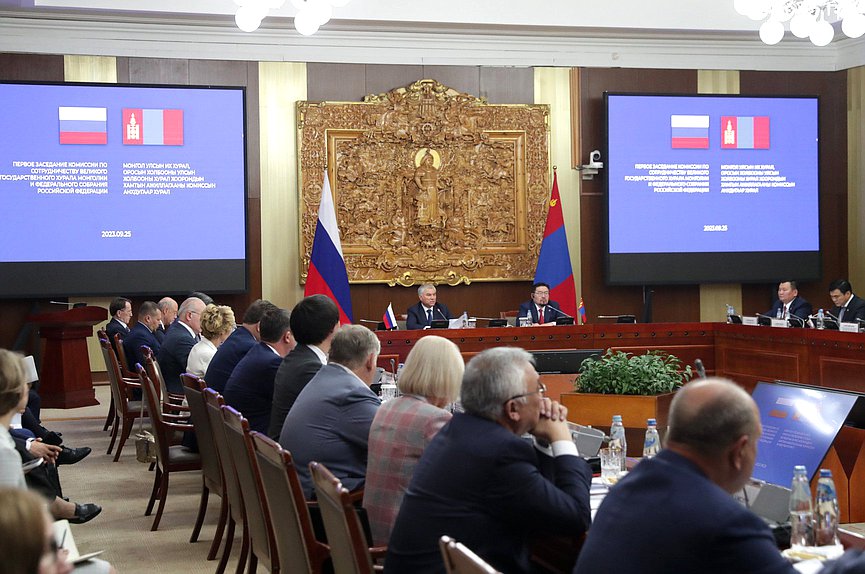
(808, 18)
(311, 14)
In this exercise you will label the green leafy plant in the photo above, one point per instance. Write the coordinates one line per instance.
(620, 373)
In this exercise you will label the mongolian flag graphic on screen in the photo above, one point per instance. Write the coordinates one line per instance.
(689, 132)
(327, 274)
(83, 125)
(554, 260)
(152, 127)
(738, 132)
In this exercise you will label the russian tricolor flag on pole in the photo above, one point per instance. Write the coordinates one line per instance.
(554, 260)
(689, 132)
(327, 275)
(83, 125)
(389, 318)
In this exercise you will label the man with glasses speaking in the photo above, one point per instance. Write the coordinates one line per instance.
(481, 483)
(540, 309)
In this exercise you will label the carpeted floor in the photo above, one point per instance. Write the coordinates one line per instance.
(122, 489)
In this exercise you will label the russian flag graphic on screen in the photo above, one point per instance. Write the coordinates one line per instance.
(152, 127)
(689, 132)
(82, 125)
(744, 132)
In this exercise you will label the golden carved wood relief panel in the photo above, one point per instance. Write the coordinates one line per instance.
(429, 184)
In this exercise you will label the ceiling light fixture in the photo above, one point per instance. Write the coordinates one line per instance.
(311, 14)
(808, 18)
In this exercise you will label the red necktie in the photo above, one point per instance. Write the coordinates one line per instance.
(540, 314)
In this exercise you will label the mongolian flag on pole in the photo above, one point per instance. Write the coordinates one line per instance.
(581, 310)
(327, 275)
(554, 261)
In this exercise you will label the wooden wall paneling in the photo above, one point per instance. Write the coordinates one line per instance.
(31, 68)
(671, 303)
(335, 82)
(122, 63)
(220, 72)
(857, 477)
(382, 78)
(466, 79)
(506, 85)
(840, 372)
(158, 71)
(856, 175)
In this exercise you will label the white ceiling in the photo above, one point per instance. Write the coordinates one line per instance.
(702, 34)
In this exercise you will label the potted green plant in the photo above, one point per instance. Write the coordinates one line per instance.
(638, 387)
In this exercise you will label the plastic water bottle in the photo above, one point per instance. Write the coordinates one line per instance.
(399, 371)
(617, 438)
(826, 524)
(801, 530)
(730, 312)
(820, 319)
(652, 444)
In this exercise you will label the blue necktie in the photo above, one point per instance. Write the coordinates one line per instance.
(429, 316)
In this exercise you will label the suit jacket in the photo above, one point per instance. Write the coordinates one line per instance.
(250, 388)
(226, 358)
(160, 333)
(416, 316)
(329, 423)
(173, 356)
(799, 307)
(491, 490)
(400, 432)
(551, 311)
(296, 370)
(667, 516)
(113, 327)
(855, 310)
(139, 335)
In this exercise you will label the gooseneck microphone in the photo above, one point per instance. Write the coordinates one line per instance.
(701, 370)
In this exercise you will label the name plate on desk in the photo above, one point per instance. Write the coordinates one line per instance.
(749, 321)
(848, 327)
(780, 323)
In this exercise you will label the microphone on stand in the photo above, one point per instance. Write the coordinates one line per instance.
(393, 369)
(701, 370)
(442, 314)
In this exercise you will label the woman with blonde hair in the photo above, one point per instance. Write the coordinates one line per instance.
(404, 426)
(217, 323)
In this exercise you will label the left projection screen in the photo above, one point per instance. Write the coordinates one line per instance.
(122, 190)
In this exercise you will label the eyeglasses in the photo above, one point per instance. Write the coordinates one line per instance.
(542, 292)
(542, 388)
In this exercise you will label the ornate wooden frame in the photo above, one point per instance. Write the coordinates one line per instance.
(429, 184)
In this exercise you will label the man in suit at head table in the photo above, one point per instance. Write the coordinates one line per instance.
(848, 307)
(789, 303)
(427, 310)
(540, 309)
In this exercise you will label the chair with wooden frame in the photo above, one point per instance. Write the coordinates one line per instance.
(459, 559)
(170, 401)
(298, 549)
(211, 472)
(170, 458)
(236, 508)
(348, 546)
(262, 543)
(102, 334)
(125, 410)
(128, 372)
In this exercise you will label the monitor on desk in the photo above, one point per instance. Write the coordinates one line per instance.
(563, 361)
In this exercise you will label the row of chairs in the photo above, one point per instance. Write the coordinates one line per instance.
(256, 483)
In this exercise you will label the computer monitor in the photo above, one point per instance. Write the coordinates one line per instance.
(563, 361)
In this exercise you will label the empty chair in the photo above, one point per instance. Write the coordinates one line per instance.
(169, 458)
(236, 510)
(460, 560)
(297, 547)
(262, 543)
(125, 411)
(211, 473)
(348, 546)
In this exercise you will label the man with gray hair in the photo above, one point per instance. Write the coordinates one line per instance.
(674, 512)
(479, 482)
(329, 422)
(427, 310)
(168, 309)
(179, 341)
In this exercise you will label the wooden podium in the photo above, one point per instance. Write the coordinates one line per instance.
(65, 379)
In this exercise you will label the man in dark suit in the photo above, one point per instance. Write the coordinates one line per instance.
(142, 333)
(420, 316)
(848, 307)
(481, 483)
(540, 308)
(236, 346)
(674, 512)
(121, 313)
(789, 303)
(249, 390)
(330, 420)
(314, 322)
(168, 311)
(178, 341)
